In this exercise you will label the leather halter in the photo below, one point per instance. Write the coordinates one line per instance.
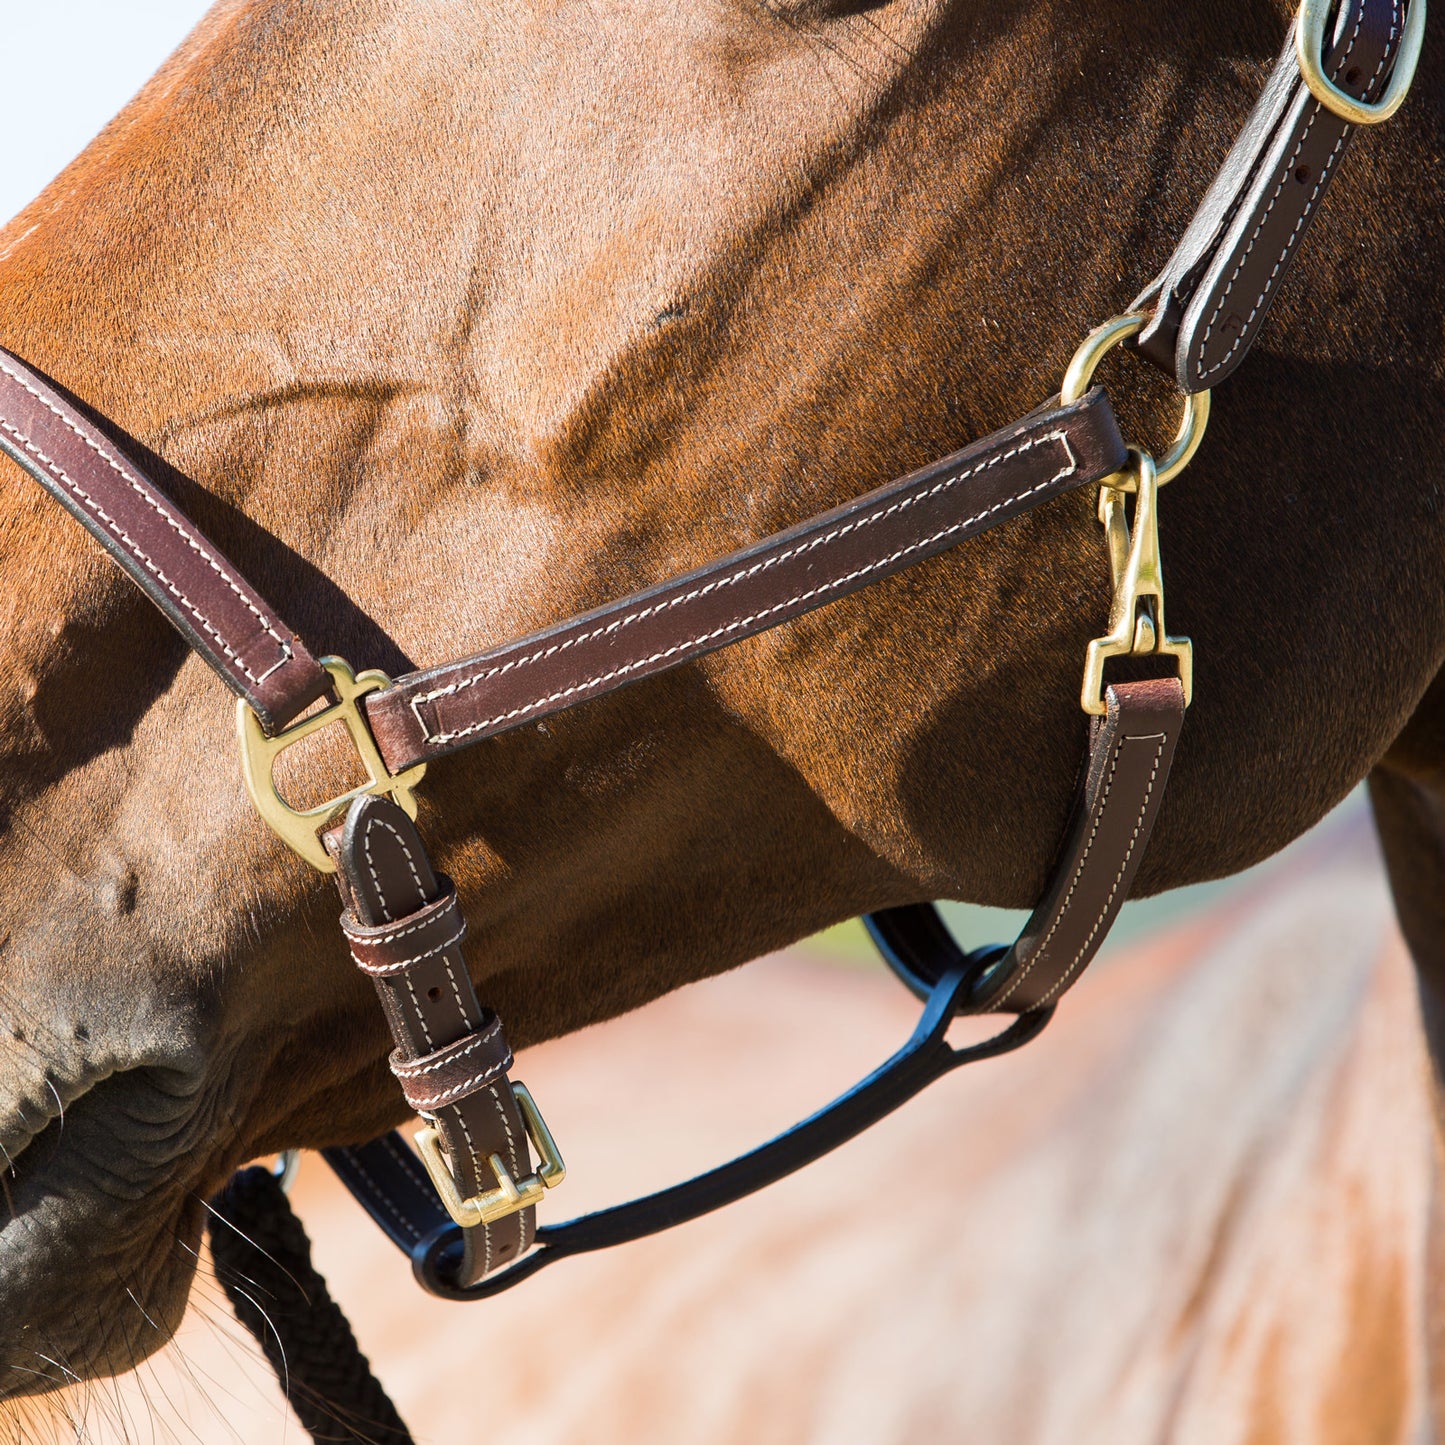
(465, 1211)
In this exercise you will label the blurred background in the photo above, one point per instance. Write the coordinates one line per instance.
(1145, 1181)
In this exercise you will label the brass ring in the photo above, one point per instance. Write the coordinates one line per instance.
(1309, 37)
(1096, 345)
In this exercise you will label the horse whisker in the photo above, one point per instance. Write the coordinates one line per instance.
(265, 1253)
(142, 1309)
(64, 1369)
(59, 1102)
(280, 1343)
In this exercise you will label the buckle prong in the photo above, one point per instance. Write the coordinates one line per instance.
(510, 1195)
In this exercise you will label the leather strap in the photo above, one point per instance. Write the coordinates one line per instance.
(427, 714)
(185, 574)
(1130, 751)
(387, 1180)
(1131, 748)
(1212, 297)
(405, 929)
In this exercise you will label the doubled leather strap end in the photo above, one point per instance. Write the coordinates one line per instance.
(1130, 752)
(405, 929)
(1211, 299)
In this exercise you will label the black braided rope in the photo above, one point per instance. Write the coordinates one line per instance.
(263, 1258)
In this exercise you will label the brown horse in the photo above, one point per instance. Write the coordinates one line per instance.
(1235, 1180)
(450, 322)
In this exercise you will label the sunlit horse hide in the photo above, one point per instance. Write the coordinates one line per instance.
(454, 323)
(1235, 1179)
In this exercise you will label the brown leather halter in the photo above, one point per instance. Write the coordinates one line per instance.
(470, 1210)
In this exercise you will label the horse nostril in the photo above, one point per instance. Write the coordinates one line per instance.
(82, 1034)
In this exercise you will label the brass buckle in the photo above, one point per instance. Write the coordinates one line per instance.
(1136, 619)
(1309, 44)
(298, 828)
(510, 1195)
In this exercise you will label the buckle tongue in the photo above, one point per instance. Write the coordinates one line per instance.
(298, 827)
(511, 1195)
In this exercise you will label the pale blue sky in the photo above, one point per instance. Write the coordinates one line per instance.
(70, 65)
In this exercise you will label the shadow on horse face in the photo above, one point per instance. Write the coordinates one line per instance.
(132, 1064)
(176, 1013)
(161, 977)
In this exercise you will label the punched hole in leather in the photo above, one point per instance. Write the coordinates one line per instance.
(405, 930)
(1212, 296)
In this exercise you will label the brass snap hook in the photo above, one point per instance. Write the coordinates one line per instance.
(1136, 619)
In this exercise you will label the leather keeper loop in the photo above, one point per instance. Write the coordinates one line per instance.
(452, 1073)
(394, 947)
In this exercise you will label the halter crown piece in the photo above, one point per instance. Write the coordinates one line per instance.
(463, 1206)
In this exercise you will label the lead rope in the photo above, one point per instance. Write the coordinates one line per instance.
(263, 1260)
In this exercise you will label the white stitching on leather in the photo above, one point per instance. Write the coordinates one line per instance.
(1200, 370)
(440, 1100)
(372, 823)
(1042, 949)
(437, 1101)
(1059, 917)
(416, 1009)
(457, 994)
(382, 970)
(480, 1179)
(1039, 952)
(1119, 876)
(740, 576)
(62, 476)
(379, 1194)
(365, 935)
(415, 1071)
(521, 1215)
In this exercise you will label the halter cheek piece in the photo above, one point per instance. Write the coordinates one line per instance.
(464, 1206)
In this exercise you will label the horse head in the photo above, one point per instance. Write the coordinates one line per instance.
(449, 323)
